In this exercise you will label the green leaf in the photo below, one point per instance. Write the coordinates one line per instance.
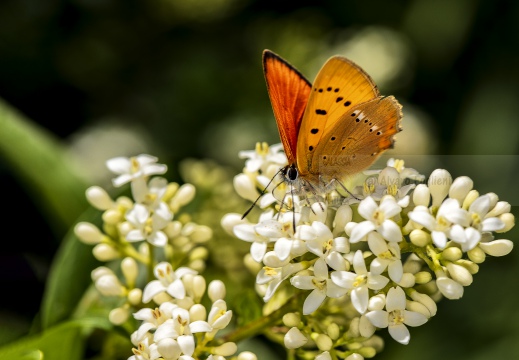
(69, 276)
(39, 161)
(64, 341)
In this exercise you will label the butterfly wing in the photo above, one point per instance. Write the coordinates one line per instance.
(288, 90)
(358, 138)
(339, 87)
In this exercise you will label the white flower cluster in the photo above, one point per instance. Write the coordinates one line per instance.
(141, 232)
(147, 216)
(381, 259)
(168, 331)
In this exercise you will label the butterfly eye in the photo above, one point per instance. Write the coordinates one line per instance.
(292, 174)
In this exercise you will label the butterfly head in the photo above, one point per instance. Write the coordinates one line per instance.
(290, 173)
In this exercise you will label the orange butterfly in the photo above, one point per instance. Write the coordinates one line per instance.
(337, 127)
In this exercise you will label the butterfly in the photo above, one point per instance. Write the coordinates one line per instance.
(333, 128)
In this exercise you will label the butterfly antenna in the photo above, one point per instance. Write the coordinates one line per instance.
(348, 191)
(261, 194)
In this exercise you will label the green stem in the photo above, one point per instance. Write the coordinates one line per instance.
(259, 325)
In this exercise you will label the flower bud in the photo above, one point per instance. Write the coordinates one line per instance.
(201, 234)
(417, 307)
(477, 255)
(377, 302)
(407, 280)
(99, 198)
(197, 312)
(460, 188)
(182, 197)
(112, 217)
(354, 330)
(452, 253)
(422, 277)
(343, 216)
(509, 220)
(323, 342)
(449, 288)
(294, 339)
(420, 238)
(88, 233)
(109, 285)
(426, 300)
(118, 316)
(421, 195)
(291, 319)
(105, 252)
(356, 356)
(469, 199)
(130, 270)
(366, 352)
(459, 274)
(439, 184)
(497, 247)
(246, 355)
(135, 296)
(199, 286)
(333, 331)
(216, 290)
(366, 328)
(501, 207)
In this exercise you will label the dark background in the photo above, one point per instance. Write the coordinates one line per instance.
(181, 79)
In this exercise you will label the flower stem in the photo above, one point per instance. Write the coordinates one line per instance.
(258, 326)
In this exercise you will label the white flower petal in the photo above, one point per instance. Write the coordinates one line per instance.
(200, 326)
(187, 344)
(282, 248)
(439, 239)
(176, 289)
(303, 282)
(412, 318)
(257, 250)
(343, 279)
(360, 230)
(313, 301)
(400, 333)
(395, 299)
(359, 299)
(423, 218)
(367, 207)
(390, 231)
(492, 224)
(379, 318)
(153, 288)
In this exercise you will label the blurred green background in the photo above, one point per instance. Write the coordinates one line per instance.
(183, 79)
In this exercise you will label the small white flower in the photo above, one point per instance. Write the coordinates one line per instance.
(133, 168)
(168, 281)
(263, 154)
(378, 218)
(260, 235)
(449, 288)
(478, 212)
(388, 256)
(448, 214)
(294, 338)
(396, 317)
(148, 227)
(320, 284)
(274, 276)
(359, 283)
(321, 242)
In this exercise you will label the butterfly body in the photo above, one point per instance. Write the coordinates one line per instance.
(333, 128)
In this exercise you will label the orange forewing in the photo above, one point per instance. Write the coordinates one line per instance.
(288, 90)
(339, 87)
